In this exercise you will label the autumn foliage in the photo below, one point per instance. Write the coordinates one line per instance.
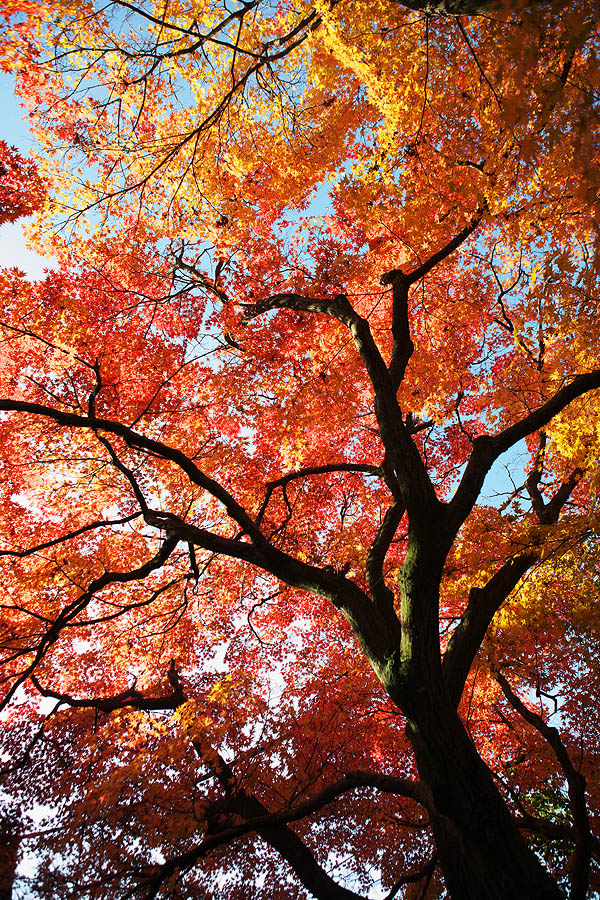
(268, 629)
(21, 190)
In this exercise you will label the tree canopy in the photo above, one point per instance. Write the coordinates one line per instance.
(266, 629)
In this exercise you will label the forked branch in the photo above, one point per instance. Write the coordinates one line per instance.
(72, 610)
(485, 602)
(487, 448)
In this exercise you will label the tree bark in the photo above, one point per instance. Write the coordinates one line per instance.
(480, 849)
(9, 855)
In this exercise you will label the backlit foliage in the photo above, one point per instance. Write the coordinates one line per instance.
(319, 266)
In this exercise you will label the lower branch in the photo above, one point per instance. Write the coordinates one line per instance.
(413, 877)
(576, 786)
(72, 610)
(272, 827)
(483, 605)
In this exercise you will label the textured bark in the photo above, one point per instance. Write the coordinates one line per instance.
(481, 851)
(9, 855)
(480, 848)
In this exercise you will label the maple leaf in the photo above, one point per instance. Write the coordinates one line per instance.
(21, 189)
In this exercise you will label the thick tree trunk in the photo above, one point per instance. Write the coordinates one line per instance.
(480, 849)
(9, 855)
(481, 852)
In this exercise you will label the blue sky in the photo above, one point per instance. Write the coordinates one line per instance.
(13, 130)
(14, 252)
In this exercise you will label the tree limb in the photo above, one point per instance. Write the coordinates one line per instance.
(378, 635)
(397, 275)
(487, 448)
(576, 787)
(70, 535)
(417, 490)
(402, 347)
(271, 826)
(484, 603)
(72, 610)
(306, 472)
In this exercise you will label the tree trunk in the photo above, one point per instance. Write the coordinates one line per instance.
(481, 851)
(9, 855)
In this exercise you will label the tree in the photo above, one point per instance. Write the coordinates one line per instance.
(320, 267)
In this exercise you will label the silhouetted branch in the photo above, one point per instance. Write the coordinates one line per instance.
(576, 786)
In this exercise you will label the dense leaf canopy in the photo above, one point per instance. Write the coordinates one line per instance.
(321, 268)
